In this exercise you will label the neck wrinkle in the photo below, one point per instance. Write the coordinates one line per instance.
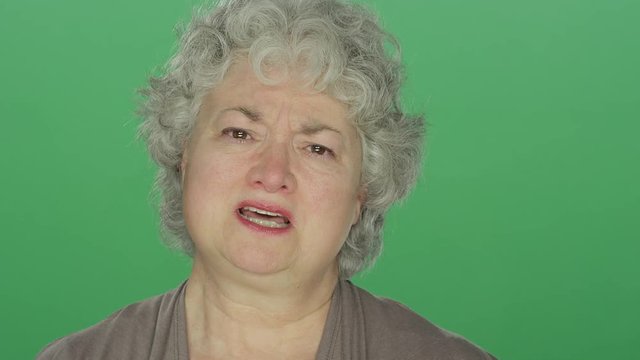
(224, 315)
(211, 295)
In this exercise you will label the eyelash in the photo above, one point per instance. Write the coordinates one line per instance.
(232, 132)
(314, 149)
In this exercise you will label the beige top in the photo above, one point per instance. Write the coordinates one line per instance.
(359, 326)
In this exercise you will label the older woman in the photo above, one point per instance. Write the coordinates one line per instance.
(281, 145)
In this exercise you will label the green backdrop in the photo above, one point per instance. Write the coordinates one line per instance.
(523, 234)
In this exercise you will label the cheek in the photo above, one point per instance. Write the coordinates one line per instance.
(209, 170)
(335, 198)
(207, 184)
(330, 211)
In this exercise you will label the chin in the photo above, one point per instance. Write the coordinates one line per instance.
(259, 261)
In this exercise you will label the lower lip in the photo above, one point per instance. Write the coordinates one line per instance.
(262, 229)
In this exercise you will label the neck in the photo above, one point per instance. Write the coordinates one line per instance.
(229, 313)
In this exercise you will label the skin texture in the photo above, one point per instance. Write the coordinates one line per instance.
(287, 150)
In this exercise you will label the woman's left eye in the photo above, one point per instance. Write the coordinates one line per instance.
(237, 134)
(320, 150)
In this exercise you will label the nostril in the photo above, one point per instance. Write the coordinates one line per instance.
(272, 171)
(273, 182)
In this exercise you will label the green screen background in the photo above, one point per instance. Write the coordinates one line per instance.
(522, 235)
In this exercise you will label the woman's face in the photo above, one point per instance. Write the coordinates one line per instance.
(271, 178)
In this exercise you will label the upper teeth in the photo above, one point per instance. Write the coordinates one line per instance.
(260, 211)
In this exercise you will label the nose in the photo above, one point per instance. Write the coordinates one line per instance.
(272, 170)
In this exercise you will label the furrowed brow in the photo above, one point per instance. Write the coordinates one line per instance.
(316, 127)
(253, 115)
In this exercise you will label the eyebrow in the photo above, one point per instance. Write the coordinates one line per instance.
(252, 114)
(313, 127)
(316, 127)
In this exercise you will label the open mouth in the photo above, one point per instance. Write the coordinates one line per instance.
(264, 218)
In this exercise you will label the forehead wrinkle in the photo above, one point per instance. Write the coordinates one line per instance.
(316, 126)
(250, 113)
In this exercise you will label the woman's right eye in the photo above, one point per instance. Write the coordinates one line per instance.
(237, 134)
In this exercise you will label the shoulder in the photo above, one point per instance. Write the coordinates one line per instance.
(396, 332)
(116, 337)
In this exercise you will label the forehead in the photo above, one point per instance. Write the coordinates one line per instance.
(241, 87)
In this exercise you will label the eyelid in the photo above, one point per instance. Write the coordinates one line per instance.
(228, 131)
(328, 151)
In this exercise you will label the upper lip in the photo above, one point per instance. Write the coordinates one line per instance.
(269, 207)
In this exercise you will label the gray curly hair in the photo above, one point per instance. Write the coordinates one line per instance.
(336, 48)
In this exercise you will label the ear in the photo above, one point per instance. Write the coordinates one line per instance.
(360, 200)
(182, 167)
